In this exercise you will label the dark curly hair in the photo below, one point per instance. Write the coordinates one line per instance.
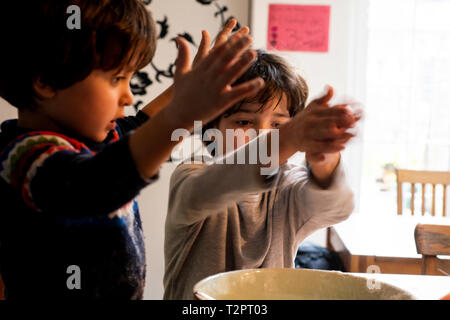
(37, 44)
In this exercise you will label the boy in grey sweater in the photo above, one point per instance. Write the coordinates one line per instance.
(224, 216)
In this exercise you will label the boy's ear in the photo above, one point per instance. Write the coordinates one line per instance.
(43, 90)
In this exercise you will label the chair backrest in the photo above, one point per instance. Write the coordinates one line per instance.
(423, 177)
(431, 241)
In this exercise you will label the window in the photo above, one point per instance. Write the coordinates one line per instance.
(407, 98)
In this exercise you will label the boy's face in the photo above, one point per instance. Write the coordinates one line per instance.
(90, 107)
(272, 116)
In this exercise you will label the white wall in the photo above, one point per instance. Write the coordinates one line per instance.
(335, 67)
(318, 69)
(7, 111)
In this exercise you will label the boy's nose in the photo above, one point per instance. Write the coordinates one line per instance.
(265, 126)
(126, 98)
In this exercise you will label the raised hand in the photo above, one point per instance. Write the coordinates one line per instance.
(320, 131)
(205, 44)
(322, 128)
(161, 101)
(204, 91)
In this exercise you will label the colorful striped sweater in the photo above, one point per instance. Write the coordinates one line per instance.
(68, 203)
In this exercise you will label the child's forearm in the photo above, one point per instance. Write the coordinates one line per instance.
(157, 104)
(201, 93)
(320, 131)
(151, 145)
(287, 147)
(323, 171)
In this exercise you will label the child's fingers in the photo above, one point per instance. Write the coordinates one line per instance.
(244, 90)
(340, 115)
(216, 52)
(325, 98)
(349, 112)
(244, 30)
(358, 114)
(331, 145)
(340, 110)
(342, 122)
(182, 63)
(331, 132)
(203, 48)
(220, 57)
(237, 69)
(230, 55)
(223, 35)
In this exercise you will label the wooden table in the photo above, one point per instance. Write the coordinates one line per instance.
(385, 244)
(421, 287)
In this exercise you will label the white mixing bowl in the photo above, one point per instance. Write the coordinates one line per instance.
(294, 284)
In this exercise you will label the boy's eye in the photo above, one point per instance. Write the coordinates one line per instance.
(117, 79)
(276, 125)
(243, 122)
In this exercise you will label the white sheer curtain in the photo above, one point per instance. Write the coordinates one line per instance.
(407, 96)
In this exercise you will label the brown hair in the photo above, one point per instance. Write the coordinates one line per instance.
(279, 77)
(114, 35)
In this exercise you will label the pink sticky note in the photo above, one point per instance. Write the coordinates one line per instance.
(298, 28)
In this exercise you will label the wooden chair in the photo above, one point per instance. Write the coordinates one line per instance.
(433, 240)
(423, 177)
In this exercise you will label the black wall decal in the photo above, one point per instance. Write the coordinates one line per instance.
(164, 28)
(205, 2)
(139, 82)
(142, 80)
(186, 36)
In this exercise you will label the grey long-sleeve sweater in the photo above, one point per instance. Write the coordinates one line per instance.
(229, 217)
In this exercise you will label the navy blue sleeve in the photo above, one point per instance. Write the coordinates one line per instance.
(74, 184)
(130, 123)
